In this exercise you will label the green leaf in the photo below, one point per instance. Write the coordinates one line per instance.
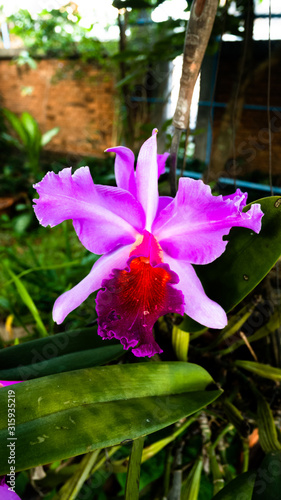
(265, 371)
(17, 125)
(241, 487)
(48, 136)
(247, 259)
(180, 343)
(134, 467)
(71, 488)
(27, 300)
(268, 478)
(267, 430)
(31, 127)
(51, 363)
(190, 487)
(72, 413)
(61, 344)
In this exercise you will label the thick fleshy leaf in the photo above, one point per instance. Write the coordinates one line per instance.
(268, 478)
(192, 227)
(147, 179)
(49, 365)
(197, 304)
(240, 487)
(71, 299)
(247, 259)
(103, 216)
(37, 351)
(64, 415)
(124, 168)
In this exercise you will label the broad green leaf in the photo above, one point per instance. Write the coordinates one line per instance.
(72, 413)
(48, 136)
(265, 371)
(51, 363)
(61, 344)
(268, 478)
(247, 259)
(27, 300)
(133, 475)
(17, 125)
(240, 488)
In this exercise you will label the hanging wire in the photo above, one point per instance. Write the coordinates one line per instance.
(268, 101)
(211, 117)
(242, 70)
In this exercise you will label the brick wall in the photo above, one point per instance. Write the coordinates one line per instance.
(76, 97)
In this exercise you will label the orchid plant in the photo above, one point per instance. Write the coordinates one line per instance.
(153, 249)
(148, 243)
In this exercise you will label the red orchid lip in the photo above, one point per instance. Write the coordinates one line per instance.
(133, 299)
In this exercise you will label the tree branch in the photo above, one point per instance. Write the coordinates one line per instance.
(198, 31)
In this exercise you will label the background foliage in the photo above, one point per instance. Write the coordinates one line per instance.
(205, 416)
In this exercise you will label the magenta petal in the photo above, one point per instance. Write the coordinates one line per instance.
(71, 299)
(131, 302)
(161, 162)
(147, 179)
(103, 216)
(164, 201)
(124, 169)
(147, 246)
(5, 383)
(192, 226)
(197, 305)
(238, 198)
(5, 493)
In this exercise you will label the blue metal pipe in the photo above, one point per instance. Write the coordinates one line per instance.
(257, 107)
(238, 183)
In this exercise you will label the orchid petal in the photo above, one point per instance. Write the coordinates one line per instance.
(133, 299)
(193, 225)
(124, 169)
(147, 179)
(71, 299)
(197, 305)
(164, 201)
(161, 162)
(103, 216)
(6, 493)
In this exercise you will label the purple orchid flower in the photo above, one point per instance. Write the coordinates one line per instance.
(5, 492)
(149, 243)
